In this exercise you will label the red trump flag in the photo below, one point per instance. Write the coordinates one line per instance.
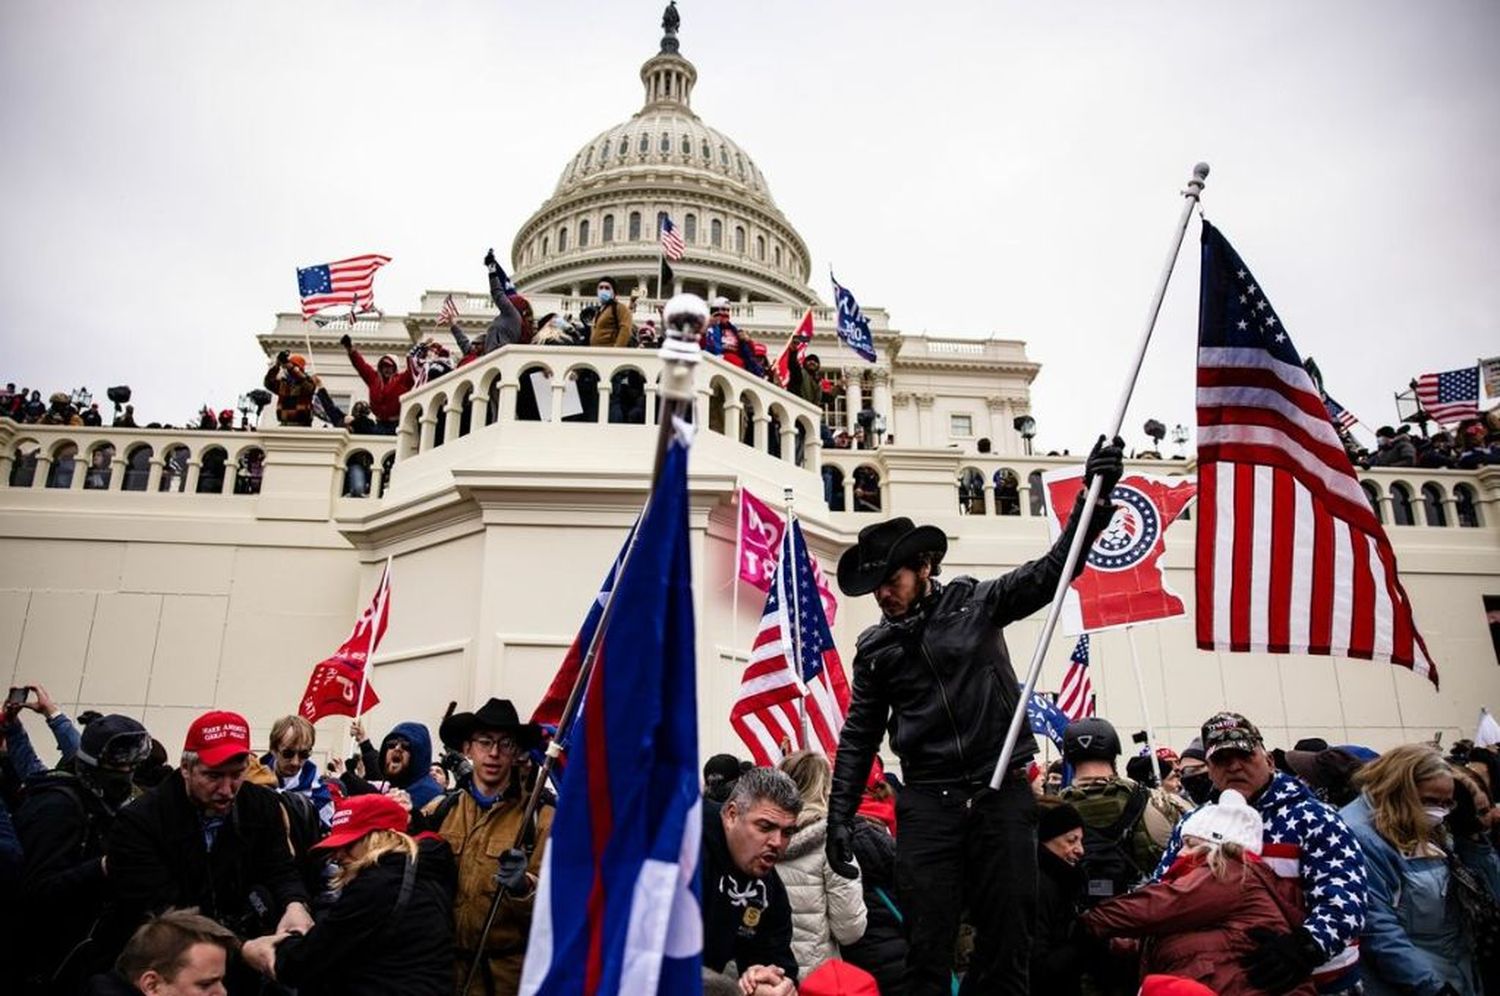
(759, 545)
(336, 683)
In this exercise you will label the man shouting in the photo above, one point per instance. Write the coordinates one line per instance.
(935, 674)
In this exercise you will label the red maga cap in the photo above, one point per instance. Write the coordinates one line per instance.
(362, 814)
(217, 737)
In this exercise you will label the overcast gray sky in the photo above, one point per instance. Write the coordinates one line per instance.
(973, 167)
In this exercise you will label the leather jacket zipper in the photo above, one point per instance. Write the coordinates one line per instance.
(947, 706)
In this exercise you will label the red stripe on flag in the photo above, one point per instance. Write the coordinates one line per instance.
(1244, 542)
(1203, 574)
(1362, 628)
(1283, 533)
(601, 819)
(1320, 624)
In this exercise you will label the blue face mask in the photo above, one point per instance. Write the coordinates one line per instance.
(606, 295)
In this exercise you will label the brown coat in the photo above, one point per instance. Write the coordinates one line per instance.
(478, 838)
(1197, 926)
(612, 325)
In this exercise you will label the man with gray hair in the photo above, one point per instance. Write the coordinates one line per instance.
(747, 918)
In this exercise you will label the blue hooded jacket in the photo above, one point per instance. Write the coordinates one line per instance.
(417, 780)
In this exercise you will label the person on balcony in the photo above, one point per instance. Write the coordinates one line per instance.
(613, 322)
(386, 383)
(294, 388)
(723, 338)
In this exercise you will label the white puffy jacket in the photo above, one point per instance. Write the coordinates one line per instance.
(827, 909)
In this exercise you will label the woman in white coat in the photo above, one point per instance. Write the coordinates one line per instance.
(827, 909)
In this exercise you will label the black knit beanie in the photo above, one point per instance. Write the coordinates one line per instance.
(1055, 820)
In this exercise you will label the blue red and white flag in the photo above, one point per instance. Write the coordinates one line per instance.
(782, 707)
(1450, 396)
(1046, 718)
(618, 907)
(854, 327)
(347, 282)
(1076, 698)
(1340, 415)
(1291, 559)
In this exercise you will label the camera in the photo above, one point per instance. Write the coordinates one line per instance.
(17, 697)
(455, 764)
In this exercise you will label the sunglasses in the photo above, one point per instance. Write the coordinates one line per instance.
(291, 752)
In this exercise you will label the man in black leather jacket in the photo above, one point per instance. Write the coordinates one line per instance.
(935, 675)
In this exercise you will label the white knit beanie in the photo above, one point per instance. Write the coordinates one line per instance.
(1231, 821)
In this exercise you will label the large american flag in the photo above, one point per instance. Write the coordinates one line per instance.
(1340, 415)
(1076, 699)
(671, 242)
(348, 282)
(1290, 557)
(767, 714)
(1451, 396)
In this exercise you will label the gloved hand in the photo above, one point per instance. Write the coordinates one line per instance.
(840, 849)
(345, 341)
(489, 260)
(1280, 962)
(512, 873)
(1108, 463)
(283, 356)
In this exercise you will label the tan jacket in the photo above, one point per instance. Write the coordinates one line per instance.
(612, 325)
(478, 838)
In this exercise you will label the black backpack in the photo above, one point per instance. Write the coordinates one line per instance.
(1108, 867)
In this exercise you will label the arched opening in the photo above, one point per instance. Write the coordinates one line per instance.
(439, 407)
(527, 409)
(249, 469)
(760, 248)
(101, 467)
(739, 239)
(174, 468)
(627, 396)
(690, 229)
(211, 471)
(492, 401)
(64, 462)
(866, 489)
(358, 467)
(1465, 506)
(716, 233)
(562, 239)
(1035, 499)
(1007, 492)
(971, 491)
(583, 234)
(748, 410)
(387, 467)
(607, 229)
(806, 429)
(23, 466)
(137, 468)
(1432, 505)
(1401, 510)
(833, 487)
(1372, 495)
(634, 227)
(773, 430)
(718, 402)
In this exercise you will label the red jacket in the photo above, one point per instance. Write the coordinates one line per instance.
(1196, 926)
(385, 395)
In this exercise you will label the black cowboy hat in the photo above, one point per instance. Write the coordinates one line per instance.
(884, 547)
(496, 714)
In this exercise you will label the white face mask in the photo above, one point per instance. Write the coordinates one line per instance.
(1435, 815)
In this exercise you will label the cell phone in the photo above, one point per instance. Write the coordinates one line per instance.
(16, 697)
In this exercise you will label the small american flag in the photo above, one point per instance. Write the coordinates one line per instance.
(448, 313)
(1076, 700)
(1339, 414)
(1290, 556)
(767, 712)
(348, 282)
(1451, 396)
(671, 242)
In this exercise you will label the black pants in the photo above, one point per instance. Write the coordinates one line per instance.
(974, 850)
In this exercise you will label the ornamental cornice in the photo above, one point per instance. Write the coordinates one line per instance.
(880, 375)
(901, 398)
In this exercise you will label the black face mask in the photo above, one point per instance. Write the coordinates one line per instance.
(1198, 787)
(111, 786)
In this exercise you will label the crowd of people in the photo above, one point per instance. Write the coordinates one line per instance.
(1475, 443)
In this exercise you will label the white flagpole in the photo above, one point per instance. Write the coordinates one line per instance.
(1140, 684)
(1075, 549)
(734, 575)
(383, 593)
(789, 553)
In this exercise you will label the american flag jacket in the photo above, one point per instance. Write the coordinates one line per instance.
(1306, 840)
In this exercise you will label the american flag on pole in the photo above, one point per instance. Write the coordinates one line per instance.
(448, 313)
(1339, 413)
(671, 242)
(773, 692)
(1451, 396)
(1290, 557)
(347, 282)
(1076, 699)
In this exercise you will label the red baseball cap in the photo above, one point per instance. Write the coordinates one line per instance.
(217, 737)
(362, 814)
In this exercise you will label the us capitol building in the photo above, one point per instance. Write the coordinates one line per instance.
(167, 582)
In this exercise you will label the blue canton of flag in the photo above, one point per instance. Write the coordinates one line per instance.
(1046, 718)
(618, 907)
(1339, 414)
(314, 280)
(809, 622)
(854, 327)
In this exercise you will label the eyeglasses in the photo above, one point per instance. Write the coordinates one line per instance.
(495, 745)
(290, 752)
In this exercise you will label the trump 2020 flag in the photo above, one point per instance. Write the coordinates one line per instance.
(618, 907)
(1122, 582)
(854, 327)
(1046, 718)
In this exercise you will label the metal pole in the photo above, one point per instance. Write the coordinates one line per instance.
(686, 316)
(788, 550)
(1075, 549)
(1140, 684)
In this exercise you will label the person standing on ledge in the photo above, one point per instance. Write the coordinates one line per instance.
(935, 674)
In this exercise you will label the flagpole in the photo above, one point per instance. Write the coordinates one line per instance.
(1075, 548)
(789, 546)
(686, 315)
(1140, 684)
(734, 575)
(364, 672)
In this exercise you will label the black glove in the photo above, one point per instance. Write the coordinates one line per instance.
(283, 356)
(1280, 962)
(1108, 463)
(345, 341)
(512, 873)
(489, 260)
(840, 850)
(1464, 820)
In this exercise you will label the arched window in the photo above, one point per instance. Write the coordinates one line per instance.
(607, 230)
(1432, 505)
(666, 143)
(1372, 495)
(1401, 512)
(624, 146)
(971, 492)
(211, 471)
(739, 238)
(687, 145)
(635, 226)
(588, 158)
(137, 468)
(248, 471)
(760, 248)
(546, 245)
(723, 157)
(740, 162)
(833, 487)
(776, 255)
(174, 468)
(1034, 493)
(1464, 504)
(1007, 492)
(358, 471)
(866, 489)
(690, 229)
(708, 155)
(645, 143)
(604, 152)
(583, 233)
(23, 467)
(716, 233)
(562, 240)
(101, 467)
(64, 460)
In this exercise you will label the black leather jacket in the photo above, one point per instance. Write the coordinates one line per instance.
(940, 681)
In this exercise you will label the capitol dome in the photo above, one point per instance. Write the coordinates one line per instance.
(604, 216)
